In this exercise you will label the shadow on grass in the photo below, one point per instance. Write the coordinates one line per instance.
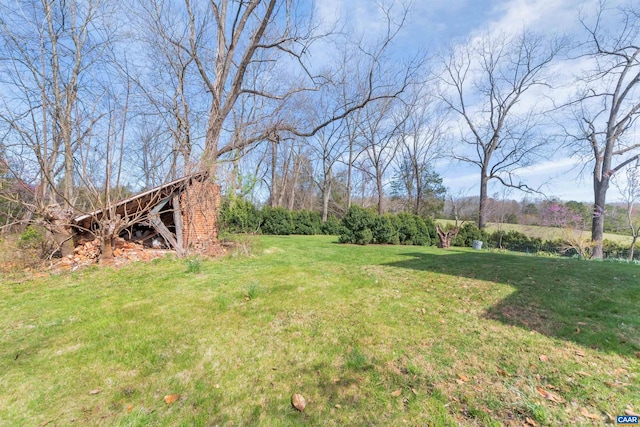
(594, 304)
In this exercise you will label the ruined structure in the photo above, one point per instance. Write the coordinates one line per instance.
(181, 215)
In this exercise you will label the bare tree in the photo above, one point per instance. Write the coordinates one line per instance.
(609, 106)
(485, 83)
(50, 50)
(230, 40)
(380, 131)
(630, 190)
(420, 144)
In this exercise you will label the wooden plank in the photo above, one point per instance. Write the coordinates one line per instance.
(177, 221)
(158, 225)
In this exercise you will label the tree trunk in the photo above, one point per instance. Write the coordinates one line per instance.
(349, 174)
(380, 193)
(326, 193)
(445, 238)
(274, 174)
(106, 248)
(597, 223)
(482, 208)
(633, 246)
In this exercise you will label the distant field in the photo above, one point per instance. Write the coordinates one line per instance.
(545, 233)
(369, 335)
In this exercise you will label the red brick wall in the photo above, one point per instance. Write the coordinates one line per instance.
(200, 204)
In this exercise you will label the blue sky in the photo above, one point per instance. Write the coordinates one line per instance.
(434, 24)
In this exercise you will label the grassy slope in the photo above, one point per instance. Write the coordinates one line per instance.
(459, 333)
(546, 233)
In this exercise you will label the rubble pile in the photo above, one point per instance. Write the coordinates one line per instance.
(87, 252)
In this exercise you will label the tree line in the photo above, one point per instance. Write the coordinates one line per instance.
(279, 105)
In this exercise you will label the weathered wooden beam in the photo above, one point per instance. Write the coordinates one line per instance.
(158, 225)
(177, 222)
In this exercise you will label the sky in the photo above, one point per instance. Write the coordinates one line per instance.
(433, 25)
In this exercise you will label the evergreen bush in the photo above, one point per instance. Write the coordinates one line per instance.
(276, 221)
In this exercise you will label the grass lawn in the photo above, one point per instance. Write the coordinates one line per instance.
(375, 335)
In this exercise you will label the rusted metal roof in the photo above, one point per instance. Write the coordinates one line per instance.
(141, 202)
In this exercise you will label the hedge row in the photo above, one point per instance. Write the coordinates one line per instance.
(240, 216)
(362, 226)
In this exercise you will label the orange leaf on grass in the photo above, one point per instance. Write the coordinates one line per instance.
(171, 398)
(586, 413)
(397, 393)
(298, 402)
(549, 395)
(543, 358)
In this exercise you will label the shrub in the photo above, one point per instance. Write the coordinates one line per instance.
(239, 216)
(431, 230)
(357, 225)
(467, 234)
(515, 241)
(276, 221)
(306, 222)
(383, 230)
(412, 230)
(31, 238)
(331, 227)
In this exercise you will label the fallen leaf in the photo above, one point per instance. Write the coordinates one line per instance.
(170, 398)
(397, 393)
(502, 372)
(413, 390)
(549, 395)
(629, 411)
(463, 378)
(96, 391)
(531, 422)
(543, 358)
(584, 374)
(216, 386)
(577, 330)
(129, 408)
(580, 353)
(586, 413)
(582, 323)
(298, 402)
(338, 406)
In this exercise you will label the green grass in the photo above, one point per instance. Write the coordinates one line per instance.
(460, 333)
(545, 233)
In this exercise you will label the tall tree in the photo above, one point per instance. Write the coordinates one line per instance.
(609, 103)
(420, 138)
(485, 82)
(230, 40)
(629, 187)
(55, 56)
(380, 137)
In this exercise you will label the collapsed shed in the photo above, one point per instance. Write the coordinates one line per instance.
(181, 215)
